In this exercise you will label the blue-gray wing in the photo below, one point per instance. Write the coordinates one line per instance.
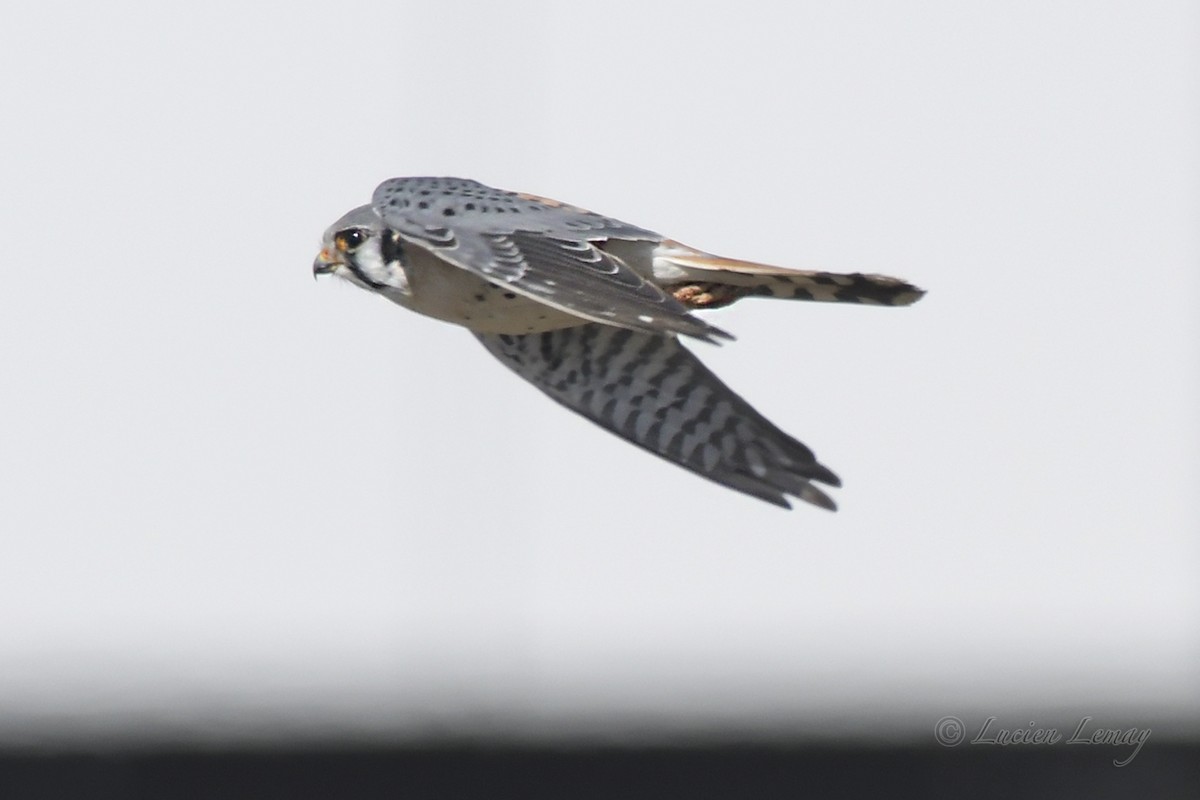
(652, 391)
(537, 248)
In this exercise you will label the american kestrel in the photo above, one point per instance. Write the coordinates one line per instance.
(590, 309)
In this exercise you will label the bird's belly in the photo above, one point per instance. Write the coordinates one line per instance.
(448, 293)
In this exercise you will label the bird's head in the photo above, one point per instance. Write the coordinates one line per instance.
(361, 250)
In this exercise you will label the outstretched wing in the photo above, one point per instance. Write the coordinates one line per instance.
(536, 248)
(652, 391)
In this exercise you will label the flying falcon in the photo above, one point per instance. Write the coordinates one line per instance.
(590, 310)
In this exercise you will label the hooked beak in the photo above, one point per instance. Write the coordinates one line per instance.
(325, 263)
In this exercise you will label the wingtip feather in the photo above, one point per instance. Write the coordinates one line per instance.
(811, 494)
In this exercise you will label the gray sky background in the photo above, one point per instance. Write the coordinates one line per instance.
(233, 500)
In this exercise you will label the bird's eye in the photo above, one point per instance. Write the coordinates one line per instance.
(350, 239)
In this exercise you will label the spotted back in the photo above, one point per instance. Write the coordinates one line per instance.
(538, 248)
(434, 208)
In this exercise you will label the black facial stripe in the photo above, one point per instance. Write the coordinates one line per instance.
(362, 276)
(391, 248)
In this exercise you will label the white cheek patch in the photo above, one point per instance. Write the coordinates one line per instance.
(378, 273)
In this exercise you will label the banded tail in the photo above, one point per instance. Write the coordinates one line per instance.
(702, 280)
